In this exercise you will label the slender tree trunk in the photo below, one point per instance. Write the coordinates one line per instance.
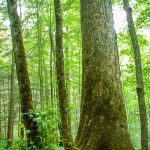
(40, 57)
(51, 57)
(11, 106)
(21, 130)
(77, 102)
(36, 99)
(4, 111)
(62, 93)
(46, 84)
(22, 75)
(139, 77)
(67, 77)
(52, 70)
(103, 124)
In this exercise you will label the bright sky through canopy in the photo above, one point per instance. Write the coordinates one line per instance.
(119, 18)
(118, 14)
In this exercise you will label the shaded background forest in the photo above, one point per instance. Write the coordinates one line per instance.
(38, 27)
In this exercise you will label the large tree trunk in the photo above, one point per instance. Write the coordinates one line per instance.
(62, 93)
(139, 77)
(103, 124)
(22, 75)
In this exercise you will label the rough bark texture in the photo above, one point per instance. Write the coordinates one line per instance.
(11, 106)
(62, 93)
(139, 77)
(103, 124)
(22, 75)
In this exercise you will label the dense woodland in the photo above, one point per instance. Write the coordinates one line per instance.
(74, 74)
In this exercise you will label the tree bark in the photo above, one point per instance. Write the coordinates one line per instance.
(11, 106)
(22, 75)
(103, 124)
(139, 77)
(51, 57)
(4, 111)
(62, 93)
(40, 57)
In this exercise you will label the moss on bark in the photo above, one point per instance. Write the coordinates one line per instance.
(103, 124)
(22, 75)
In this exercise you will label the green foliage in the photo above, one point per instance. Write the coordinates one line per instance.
(143, 11)
(18, 145)
(47, 122)
(3, 145)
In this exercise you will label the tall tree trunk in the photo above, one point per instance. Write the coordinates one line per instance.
(139, 77)
(22, 75)
(62, 93)
(51, 57)
(103, 124)
(4, 111)
(40, 57)
(11, 106)
(46, 85)
(67, 76)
